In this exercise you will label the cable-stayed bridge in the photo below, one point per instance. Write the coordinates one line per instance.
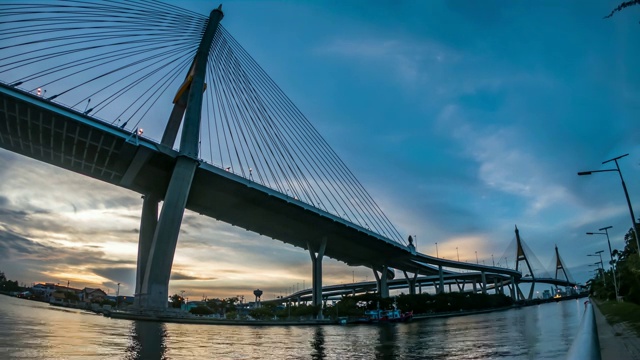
(232, 145)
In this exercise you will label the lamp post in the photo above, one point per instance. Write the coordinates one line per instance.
(626, 193)
(437, 250)
(118, 296)
(457, 253)
(477, 262)
(599, 254)
(613, 266)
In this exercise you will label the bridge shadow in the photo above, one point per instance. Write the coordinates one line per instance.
(147, 341)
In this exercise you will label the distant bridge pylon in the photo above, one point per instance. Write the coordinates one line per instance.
(535, 272)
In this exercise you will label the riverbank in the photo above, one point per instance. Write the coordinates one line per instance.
(170, 318)
(618, 338)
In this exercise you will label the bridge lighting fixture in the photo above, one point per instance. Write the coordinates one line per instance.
(624, 187)
(140, 131)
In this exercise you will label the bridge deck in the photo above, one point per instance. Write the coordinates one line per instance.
(54, 134)
(59, 136)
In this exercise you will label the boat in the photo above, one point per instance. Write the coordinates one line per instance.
(384, 316)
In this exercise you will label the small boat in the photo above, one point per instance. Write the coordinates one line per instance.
(384, 316)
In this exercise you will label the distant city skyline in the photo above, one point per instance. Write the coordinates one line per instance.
(460, 119)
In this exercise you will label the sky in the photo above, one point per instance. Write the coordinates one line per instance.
(462, 119)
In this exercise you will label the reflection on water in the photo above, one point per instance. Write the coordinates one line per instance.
(147, 340)
(385, 349)
(318, 344)
(32, 330)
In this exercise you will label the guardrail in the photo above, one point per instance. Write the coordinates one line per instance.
(586, 345)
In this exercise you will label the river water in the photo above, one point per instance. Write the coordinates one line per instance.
(33, 330)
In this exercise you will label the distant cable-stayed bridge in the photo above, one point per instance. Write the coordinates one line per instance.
(245, 155)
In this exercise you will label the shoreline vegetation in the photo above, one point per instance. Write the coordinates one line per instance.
(623, 306)
(349, 309)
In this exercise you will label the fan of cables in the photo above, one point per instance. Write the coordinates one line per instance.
(123, 61)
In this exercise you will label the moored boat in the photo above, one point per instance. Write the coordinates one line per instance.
(384, 316)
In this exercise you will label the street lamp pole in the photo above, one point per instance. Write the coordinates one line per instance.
(626, 193)
(599, 254)
(118, 296)
(457, 253)
(437, 250)
(612, 263)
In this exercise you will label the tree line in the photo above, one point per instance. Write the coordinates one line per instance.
(627, 274)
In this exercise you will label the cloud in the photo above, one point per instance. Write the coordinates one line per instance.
(176, 275)
(411, 62)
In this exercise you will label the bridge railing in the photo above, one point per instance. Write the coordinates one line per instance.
(586, 345)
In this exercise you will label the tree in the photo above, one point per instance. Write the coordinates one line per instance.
(623, 5)
(176, 301)
(627, 263)
(262, 313)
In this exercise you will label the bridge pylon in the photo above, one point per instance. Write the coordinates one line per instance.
(522, 256)
(156, 253)
(560, 267)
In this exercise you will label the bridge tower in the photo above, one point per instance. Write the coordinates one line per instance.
(560, 266)
(521, 256)
(159, 236)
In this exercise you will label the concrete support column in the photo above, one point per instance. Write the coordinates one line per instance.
(316, 282)
(411, 282)
(475, 286)
(495, 286)
(441, 287)
(381, 280)
(148, 223)
(420, 288)
(513, 289)
(533, 285)
(484, 283)
(155, 286)
(520, 294)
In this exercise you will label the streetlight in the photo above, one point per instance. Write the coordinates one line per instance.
(493, 261)
(437, 250)
(606, 232)
(626, 193)
(600, 272)
(457, 253)
(599, 254)
(477, 262)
